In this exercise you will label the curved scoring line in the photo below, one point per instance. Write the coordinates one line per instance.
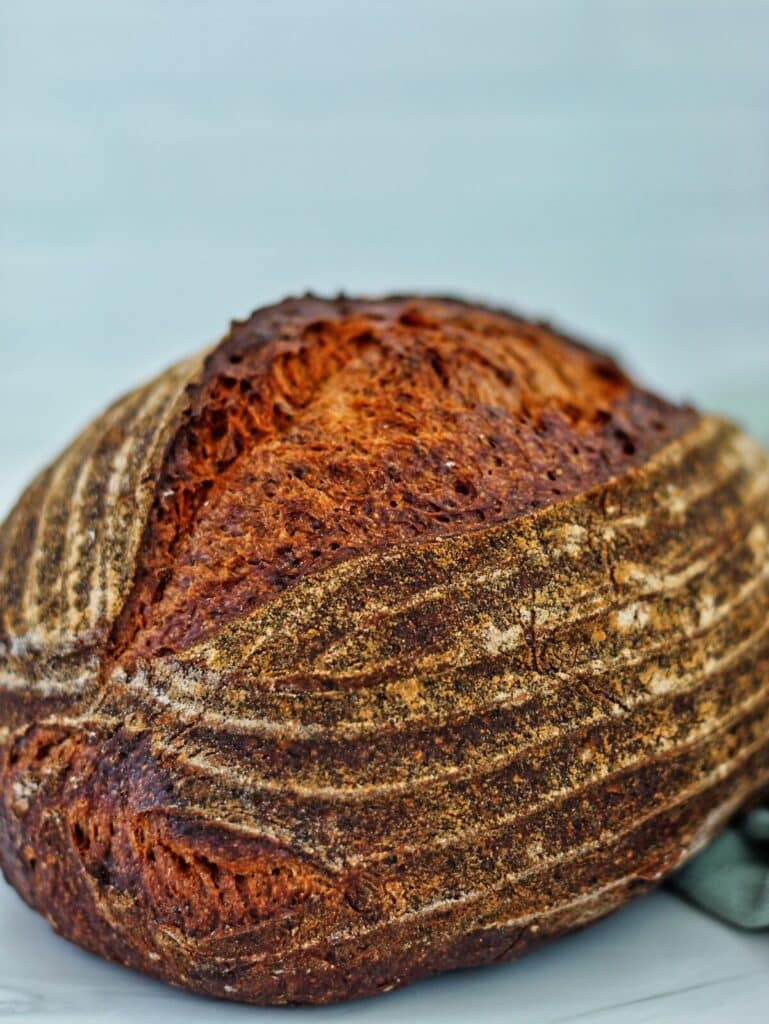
(10, 531)
(121, 461)
(172, 396)
(192, 712)
(605, 838)
(30, 593)
(93, 719)
(550, 537)
(669, 754)
(675, 580)
(709, 428)
(459, 773)
(72, 555)
(88, 445)
(162, 402)
(506, 700)
(81, 451)
(690, 495)
(240, 779)
(557, 797)
(598, 597)
(715, 819)
(10, 681)
(553, 615)
(285, 836)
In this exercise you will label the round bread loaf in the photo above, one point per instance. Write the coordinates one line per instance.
(385, 638)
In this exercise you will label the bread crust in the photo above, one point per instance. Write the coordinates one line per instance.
(429, 747)
(321, 430)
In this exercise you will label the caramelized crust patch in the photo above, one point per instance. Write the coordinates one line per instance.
(324, 430)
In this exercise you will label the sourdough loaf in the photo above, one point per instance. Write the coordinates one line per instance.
(384, 638)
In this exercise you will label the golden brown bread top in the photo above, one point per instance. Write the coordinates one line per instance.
(326, 429)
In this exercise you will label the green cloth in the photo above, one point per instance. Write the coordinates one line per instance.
(730, 879)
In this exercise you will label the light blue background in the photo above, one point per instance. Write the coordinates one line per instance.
(169, 164)
(166, 165)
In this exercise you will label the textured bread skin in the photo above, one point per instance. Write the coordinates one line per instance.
(383, 639)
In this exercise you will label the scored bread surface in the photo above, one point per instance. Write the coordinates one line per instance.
(384, 638)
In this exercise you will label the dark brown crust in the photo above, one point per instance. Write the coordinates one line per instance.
(322, 430)
(427, 750)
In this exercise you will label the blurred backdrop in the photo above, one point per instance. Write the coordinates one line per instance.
(169, 164)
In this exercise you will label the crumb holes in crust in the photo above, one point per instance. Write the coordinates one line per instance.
(628, 446)
(80, 836)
